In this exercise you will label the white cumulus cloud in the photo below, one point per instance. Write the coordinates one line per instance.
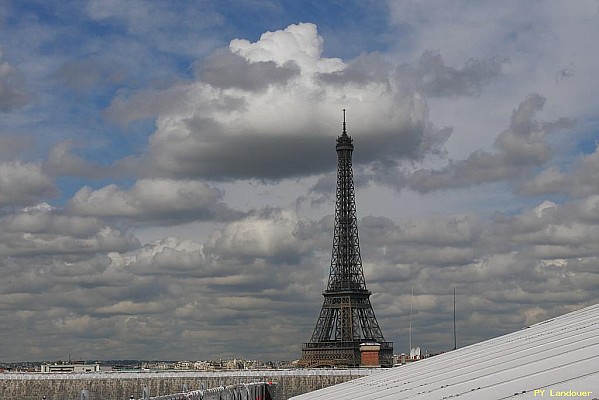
(246, 116)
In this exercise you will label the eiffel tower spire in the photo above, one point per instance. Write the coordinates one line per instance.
(346, 319)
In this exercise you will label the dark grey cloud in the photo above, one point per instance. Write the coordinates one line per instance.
(13, 147)
(273, 158)
(433, 78)
(243, 157)
(564, 73)
(520, 148)
(24, 184)
(224, 69)
(62, 161)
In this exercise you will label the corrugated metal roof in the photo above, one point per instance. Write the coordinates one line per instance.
(558, 355)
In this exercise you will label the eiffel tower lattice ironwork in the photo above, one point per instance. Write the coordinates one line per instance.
(347, 322)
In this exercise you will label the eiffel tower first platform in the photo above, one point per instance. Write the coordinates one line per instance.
(347, 333)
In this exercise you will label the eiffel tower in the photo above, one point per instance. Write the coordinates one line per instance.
(347, 324)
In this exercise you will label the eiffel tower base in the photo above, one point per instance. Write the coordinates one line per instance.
(336, 354)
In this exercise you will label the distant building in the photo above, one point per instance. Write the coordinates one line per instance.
(184, 365)
(75, 367)
(203, 366)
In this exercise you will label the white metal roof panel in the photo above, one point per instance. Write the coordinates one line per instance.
(557, 355)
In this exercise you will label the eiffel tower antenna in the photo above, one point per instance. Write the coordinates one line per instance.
(347, 326)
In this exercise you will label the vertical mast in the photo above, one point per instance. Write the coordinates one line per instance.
(455, 340)
(410, 331)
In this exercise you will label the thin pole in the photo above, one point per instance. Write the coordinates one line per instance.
(455, 341)
(410, 335)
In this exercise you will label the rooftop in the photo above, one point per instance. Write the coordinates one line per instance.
(554, 358)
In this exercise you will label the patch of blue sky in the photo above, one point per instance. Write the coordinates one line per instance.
(348, 27)
(106, 144)
(124, 140)
(48, 31)
(67, 117)
(588, 143)
(61, 28)
(568, 144)
(500, 198)
(43, 12)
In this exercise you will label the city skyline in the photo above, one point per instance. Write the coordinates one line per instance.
(167, 171)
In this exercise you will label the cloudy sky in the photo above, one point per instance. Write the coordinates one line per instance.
(167, 170)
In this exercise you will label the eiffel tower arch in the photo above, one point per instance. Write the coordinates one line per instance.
(346, 326)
